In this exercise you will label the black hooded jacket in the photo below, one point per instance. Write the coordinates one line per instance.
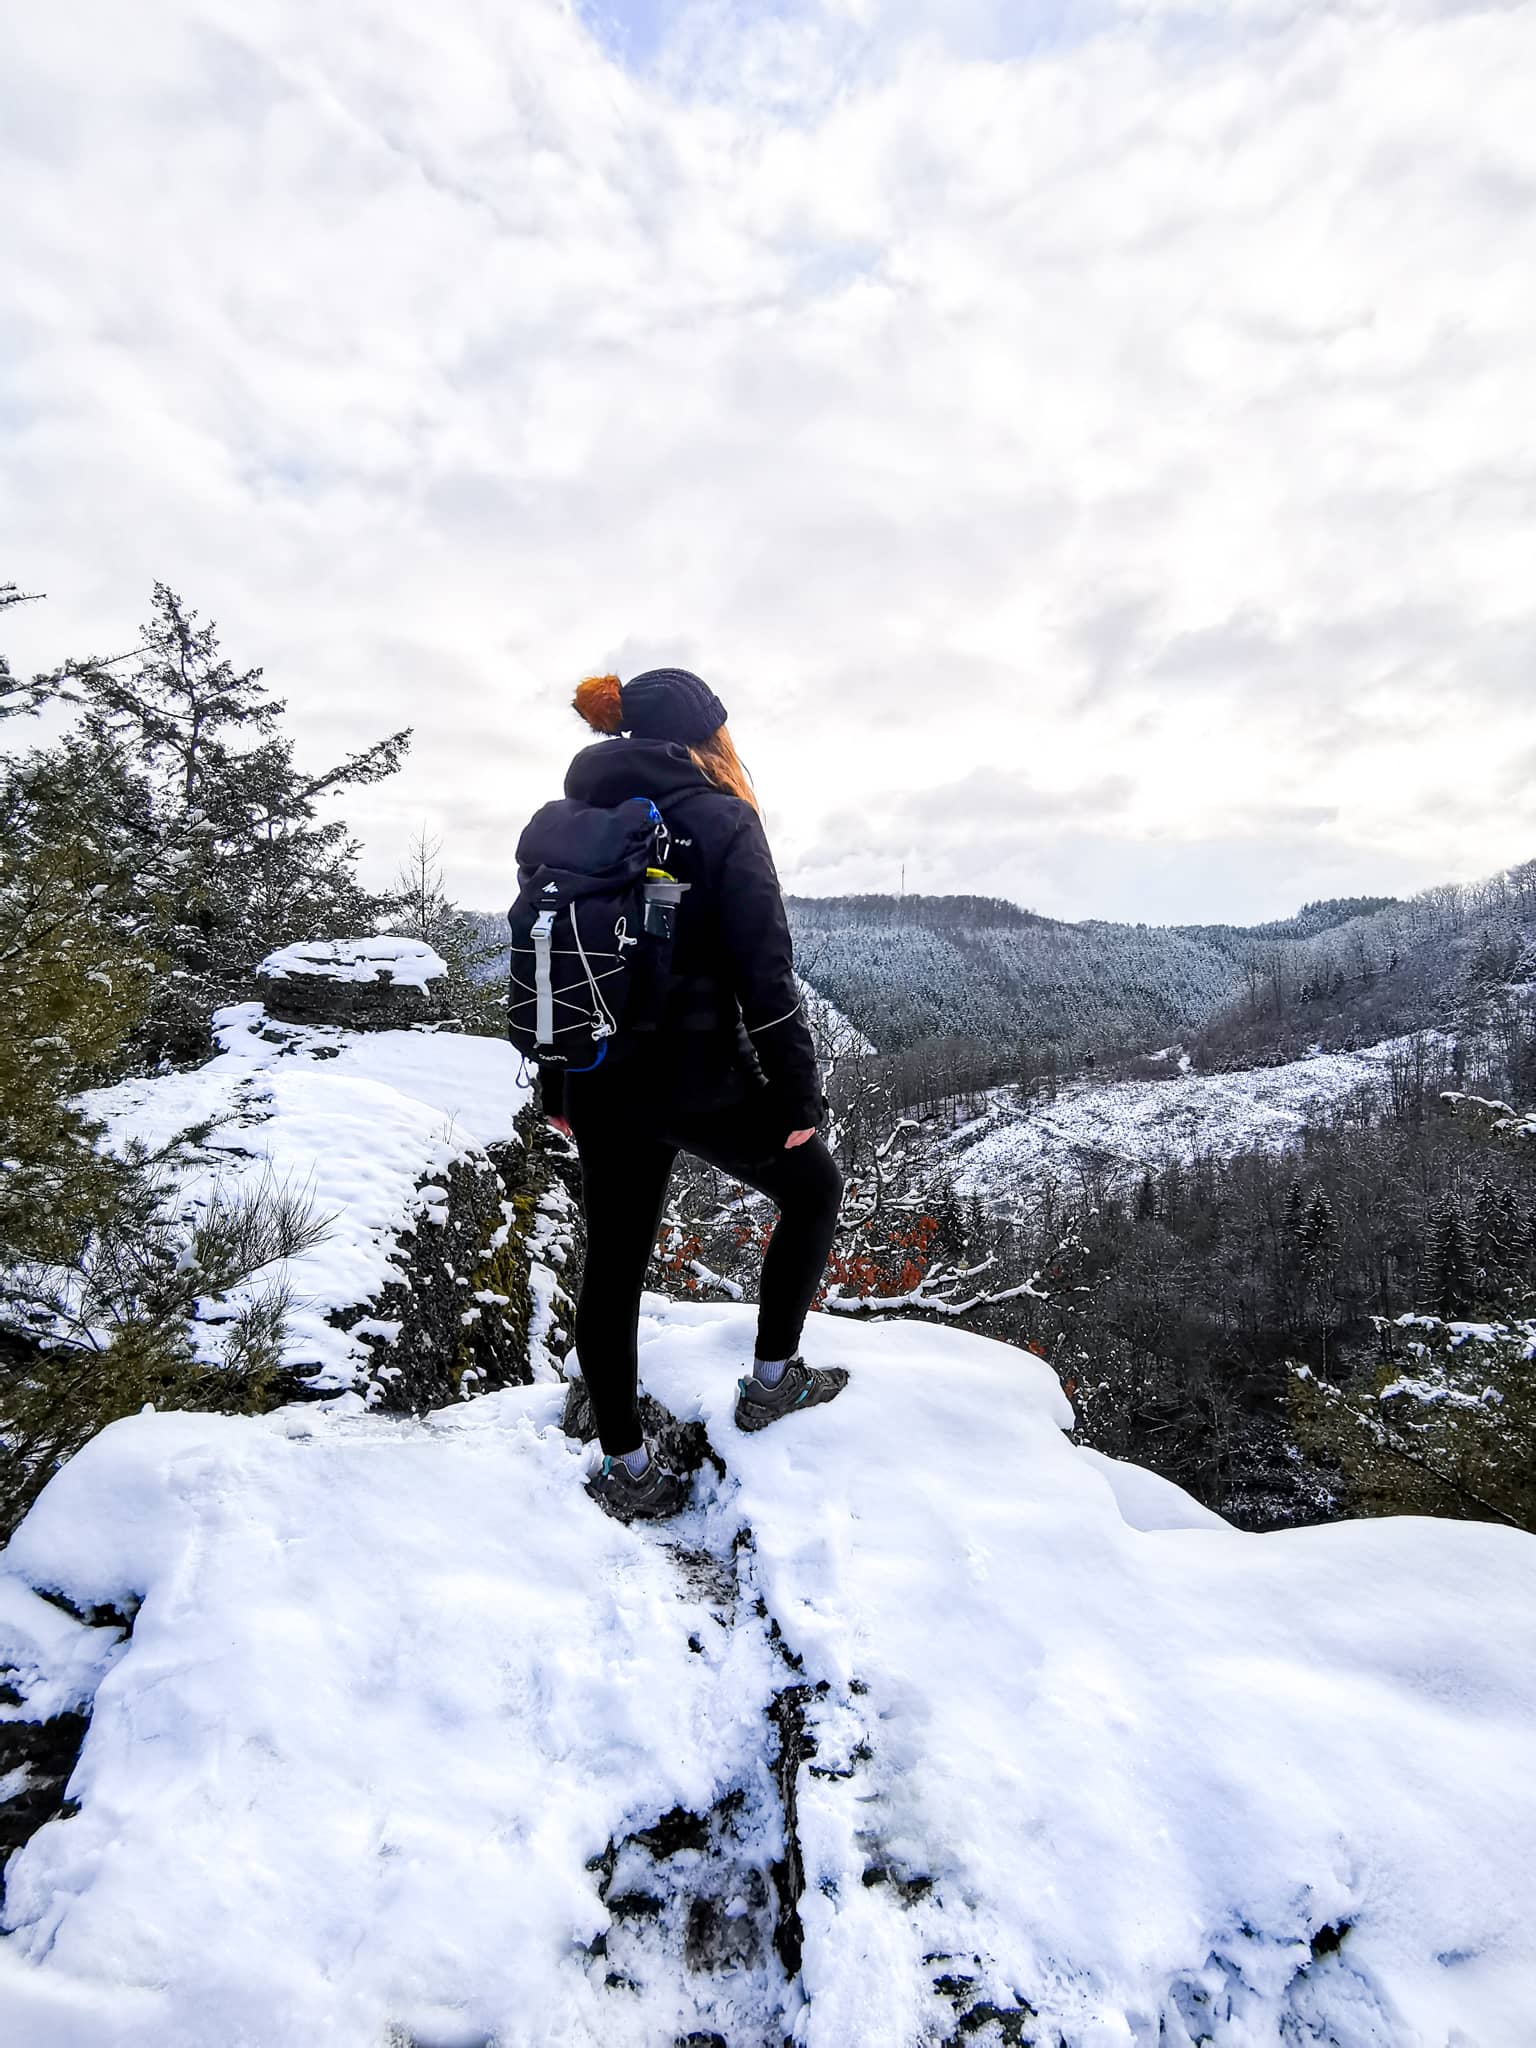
(733, 1018)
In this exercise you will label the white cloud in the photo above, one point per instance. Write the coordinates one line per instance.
(1132, 398)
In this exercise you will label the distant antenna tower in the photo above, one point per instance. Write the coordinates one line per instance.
(901, 894)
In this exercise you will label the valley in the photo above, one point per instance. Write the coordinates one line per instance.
(1106, 1133)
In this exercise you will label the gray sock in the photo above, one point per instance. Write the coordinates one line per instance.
(635, 1462)
(769, 1371)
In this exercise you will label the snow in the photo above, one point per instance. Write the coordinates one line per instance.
(356, 1122)
(837, 1037)
(407, 962)
(1521, 1332)
(1134, 1750)
(548, 1249)
(48, 1657)
(1129, 1125)
(1509, 1123)
(393, 1686)
(1434, 1393)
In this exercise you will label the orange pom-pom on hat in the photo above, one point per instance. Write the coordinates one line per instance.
(599, 701)
(663, 704)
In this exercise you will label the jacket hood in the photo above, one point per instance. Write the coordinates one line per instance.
(615, 769)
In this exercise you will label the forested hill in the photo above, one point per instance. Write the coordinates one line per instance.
(1343, 971)
(976, 913)
(930, 913)
(906, 969)
(914, 968)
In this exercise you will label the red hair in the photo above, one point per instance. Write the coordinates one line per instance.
(717, 758)
(597, 699)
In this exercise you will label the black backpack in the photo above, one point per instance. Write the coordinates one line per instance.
(591, 930)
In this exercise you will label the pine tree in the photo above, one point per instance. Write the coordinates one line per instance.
(73, 981)
(954, 1238)
(1522, 1253)
(98, 1281)
(72, 985)
(1317, 1253)
(1490, 1247)
(229, 853)
(1449, 1267)
(17, 699)
(1317, 1235)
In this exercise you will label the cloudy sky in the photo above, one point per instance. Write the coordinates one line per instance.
(1090, 447)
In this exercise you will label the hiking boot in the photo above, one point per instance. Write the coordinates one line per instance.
(801, 1386)
(656, 1493)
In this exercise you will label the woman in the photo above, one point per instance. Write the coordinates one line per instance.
(729, 1076)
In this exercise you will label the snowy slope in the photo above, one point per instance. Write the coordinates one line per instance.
(1132, 1124)
(357, 1122)
(835, 1035)
(395, 1688)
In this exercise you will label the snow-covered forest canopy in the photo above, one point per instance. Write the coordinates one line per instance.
(907, 969)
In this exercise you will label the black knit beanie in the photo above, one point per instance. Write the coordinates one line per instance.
(671, 704)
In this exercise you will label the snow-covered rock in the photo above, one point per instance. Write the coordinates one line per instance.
(378, 983)
(921, 1725)
(393, 1138)
(1495, 1116)
(407, 962)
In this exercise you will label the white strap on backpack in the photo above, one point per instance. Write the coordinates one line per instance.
(543, 983)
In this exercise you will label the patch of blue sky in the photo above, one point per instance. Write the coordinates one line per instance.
(277, 473)
(637, 32)
(830, 267)
(16, 412)
(1009, 31)
(1001, 31)
(634, 31)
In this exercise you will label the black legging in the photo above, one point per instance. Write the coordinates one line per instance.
(626, 1162)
